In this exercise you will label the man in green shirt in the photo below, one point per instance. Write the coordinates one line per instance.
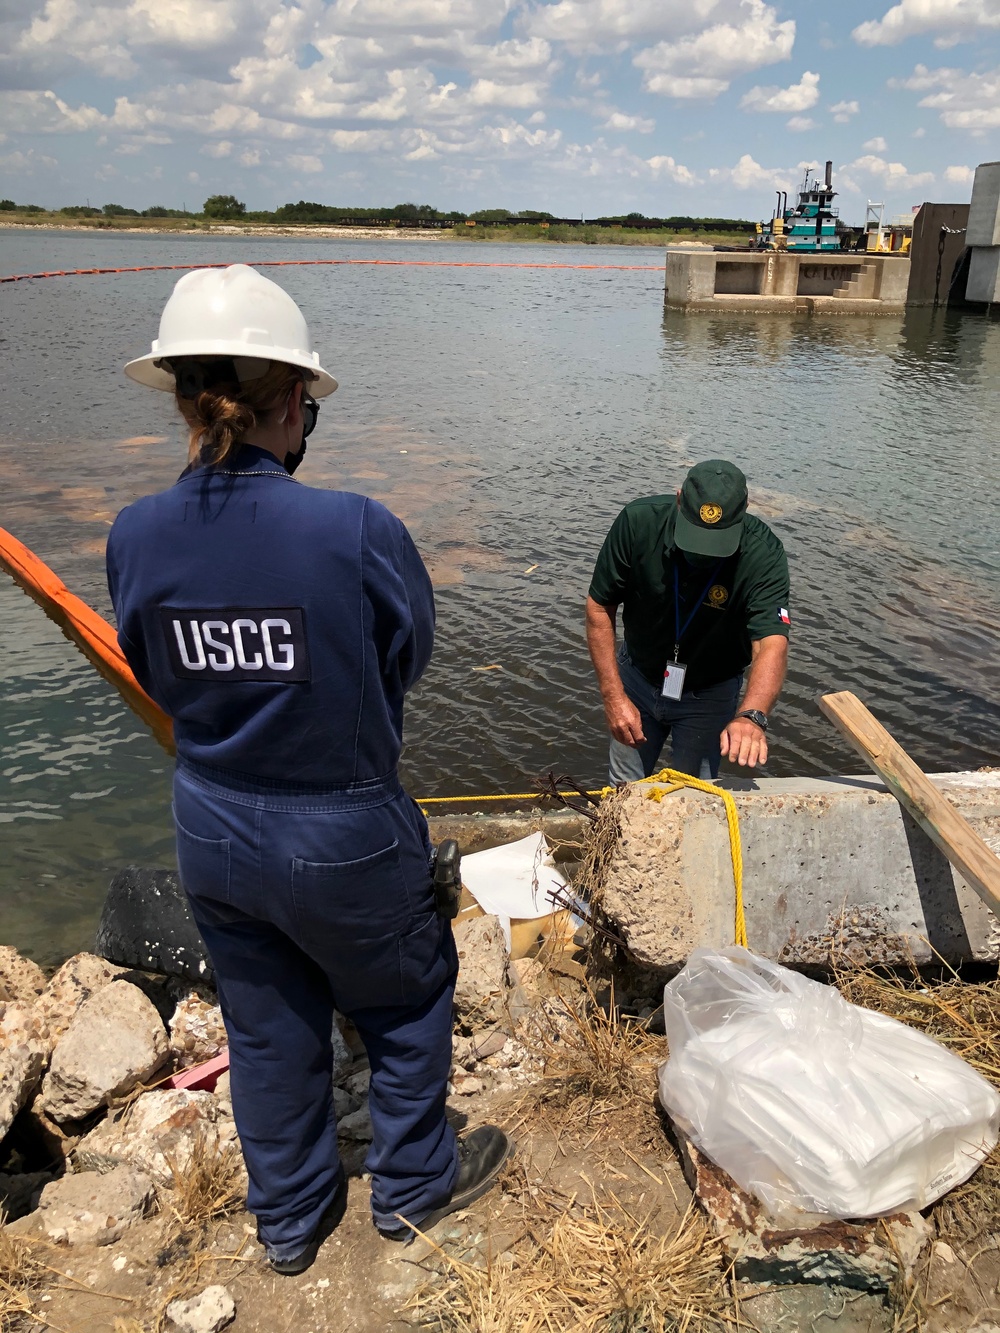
(703, 587)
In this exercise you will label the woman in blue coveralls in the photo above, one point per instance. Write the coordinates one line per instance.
(280, 627)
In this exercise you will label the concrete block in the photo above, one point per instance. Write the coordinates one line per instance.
(984, 211)
(984, 275)
(831, 869)
(689, 277)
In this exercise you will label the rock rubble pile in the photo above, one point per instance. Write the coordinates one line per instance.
(91, 1135)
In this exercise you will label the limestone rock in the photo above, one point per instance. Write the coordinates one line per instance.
(223, 1092)
(213, 1309)
(115, 1040)
(161, 1128)
(92, 1209)
(24, 1053)
(528, 973)
(344, 1104)
(357, 1084)
(857, 1255)
(343, 1056)
(20, 978)
(357, 1127)
(481, 990)
(197, 1032)
(466, 1085)
(77, 980)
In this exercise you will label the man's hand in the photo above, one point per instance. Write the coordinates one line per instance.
(624, 721)
(743, 742)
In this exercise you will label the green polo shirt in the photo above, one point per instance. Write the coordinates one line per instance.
(744, 598)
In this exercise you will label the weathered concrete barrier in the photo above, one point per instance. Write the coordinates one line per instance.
(773, 282)
(833, 870)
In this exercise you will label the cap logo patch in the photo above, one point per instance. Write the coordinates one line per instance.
(710, 513)
(718, 595)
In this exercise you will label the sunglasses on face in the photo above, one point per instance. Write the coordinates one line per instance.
(310, 411)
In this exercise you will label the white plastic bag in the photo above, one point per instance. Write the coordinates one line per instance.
(811, 1103)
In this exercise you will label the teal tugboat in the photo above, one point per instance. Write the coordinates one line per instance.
(812, 226)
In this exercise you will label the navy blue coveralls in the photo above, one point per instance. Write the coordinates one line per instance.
(280, 627)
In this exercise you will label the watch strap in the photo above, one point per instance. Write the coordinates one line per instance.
(756, 717)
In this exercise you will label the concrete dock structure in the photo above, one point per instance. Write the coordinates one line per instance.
(780, 281)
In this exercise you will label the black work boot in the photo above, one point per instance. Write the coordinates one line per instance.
(482, 1154)
(292, 1266)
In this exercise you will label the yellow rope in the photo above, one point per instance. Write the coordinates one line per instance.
(505, 796)
(678, 780)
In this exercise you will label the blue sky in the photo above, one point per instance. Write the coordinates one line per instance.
(574, 106)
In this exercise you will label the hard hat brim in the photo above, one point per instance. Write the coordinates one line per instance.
(147, 371)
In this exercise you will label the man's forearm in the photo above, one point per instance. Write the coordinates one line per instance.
(767, 673)
(601, 622)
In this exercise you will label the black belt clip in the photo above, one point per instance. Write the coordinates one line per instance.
(446, 867)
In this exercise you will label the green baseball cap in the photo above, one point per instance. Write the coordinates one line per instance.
(712, 507)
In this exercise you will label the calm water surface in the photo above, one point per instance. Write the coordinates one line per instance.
(506, 415)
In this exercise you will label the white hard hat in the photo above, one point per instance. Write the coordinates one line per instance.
(234, 312)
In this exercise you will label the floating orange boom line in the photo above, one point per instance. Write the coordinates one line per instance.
(83, 626)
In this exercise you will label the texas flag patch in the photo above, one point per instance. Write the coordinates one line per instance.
(783, 616)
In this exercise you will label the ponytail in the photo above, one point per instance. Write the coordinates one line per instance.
(220, 417)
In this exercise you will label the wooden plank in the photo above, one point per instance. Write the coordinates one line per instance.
(935, 814)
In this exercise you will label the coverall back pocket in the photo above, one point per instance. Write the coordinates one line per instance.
(351, 915)
(204, 865)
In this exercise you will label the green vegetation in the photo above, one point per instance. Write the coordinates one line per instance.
(487, 224)
(589, 234)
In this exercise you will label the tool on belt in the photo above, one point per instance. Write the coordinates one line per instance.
(447, 872)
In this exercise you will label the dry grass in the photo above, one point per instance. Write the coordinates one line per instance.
(208, 1183)
(965, 1018)
(578, 1268)
(18, 1273)
(596, 1066)
(128, 1326)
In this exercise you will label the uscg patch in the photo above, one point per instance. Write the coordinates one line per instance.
(236, 643)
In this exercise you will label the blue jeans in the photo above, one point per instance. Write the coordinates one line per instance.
(693, 723)
(310, 902)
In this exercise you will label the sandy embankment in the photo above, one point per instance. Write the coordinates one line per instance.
(251, 229)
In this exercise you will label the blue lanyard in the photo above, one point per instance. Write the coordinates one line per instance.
(681, 630)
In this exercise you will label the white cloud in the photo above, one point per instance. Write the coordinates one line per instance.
(876, 145)
(750, 175)
(799, 124)
(798, 97)
(487, 92)
(618, 120)
(965, 101)
(843, 111)
(223, 148)
(26, 163)
(45, 113)
(891, 175)
(250, 157)
(701, 66)
(305, 162)
(953, 20)
(666, 166)
(959, 175)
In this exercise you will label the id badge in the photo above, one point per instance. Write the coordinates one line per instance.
(673, 680)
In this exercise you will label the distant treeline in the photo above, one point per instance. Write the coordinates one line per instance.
(226, 207)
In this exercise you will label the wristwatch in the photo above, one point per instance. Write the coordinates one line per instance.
(756, 716)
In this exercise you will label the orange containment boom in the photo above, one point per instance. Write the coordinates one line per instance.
(90, 632)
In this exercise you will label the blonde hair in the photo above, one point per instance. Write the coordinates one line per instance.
(219, 417)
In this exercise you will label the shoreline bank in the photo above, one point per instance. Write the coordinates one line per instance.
(491, 235)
